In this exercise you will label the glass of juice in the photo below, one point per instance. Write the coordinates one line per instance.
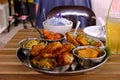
(113, 27)
(113, 35)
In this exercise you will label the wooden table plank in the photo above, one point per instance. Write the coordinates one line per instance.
(54, 77)
(27, 30)
(20, 68)
(17, 36)
(13, 45)
(26, 33)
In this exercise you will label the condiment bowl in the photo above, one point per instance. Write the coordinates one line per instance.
(28, 43)
(89, 55)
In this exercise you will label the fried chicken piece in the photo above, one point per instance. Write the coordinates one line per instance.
(51, 35)
(66, 47)
(48, 55)
(54, 49)
(48, 51)
(36, 49)
(82, 39)
(85, 40)
(65, 58)
(71, 39)
(51, 47)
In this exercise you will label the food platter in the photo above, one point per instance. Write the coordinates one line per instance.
(58, 57)
(25, 61)
(61, 57)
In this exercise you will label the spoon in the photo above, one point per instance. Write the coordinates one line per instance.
(41, 35)
(78, 23)
(27, 53)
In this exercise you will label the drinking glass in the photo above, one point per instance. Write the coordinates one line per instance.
(113, 27)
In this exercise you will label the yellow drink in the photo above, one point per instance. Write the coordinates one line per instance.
(113, 35)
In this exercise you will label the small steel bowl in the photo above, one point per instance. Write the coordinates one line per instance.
(50, 40)
(88, 62)
(25, 42)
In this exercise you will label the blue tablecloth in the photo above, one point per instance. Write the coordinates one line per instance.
(49, 4)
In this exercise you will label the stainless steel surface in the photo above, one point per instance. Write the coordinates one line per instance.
(23, 59)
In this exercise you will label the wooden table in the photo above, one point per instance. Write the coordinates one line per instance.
(12, 69)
